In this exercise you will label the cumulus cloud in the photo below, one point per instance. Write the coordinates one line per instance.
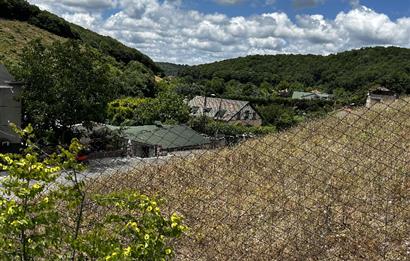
(167, 32)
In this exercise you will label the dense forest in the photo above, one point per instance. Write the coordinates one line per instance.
(171, 69)
(23, 11)
(343, 74)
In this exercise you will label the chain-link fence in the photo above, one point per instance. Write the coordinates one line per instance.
(333, 188)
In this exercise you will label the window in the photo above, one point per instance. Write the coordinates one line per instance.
(220, 114)
(206, 110)
(254, 116)
(194, 109)
(247, 115)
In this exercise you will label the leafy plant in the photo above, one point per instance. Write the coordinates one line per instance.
(167, 107)
(42, 213)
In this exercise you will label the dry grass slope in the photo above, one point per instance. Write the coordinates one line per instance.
(333, 189)
(14, 36)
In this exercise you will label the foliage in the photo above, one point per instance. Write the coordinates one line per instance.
(114, 48)
(211, 127)
(130, 110)
(29, 219)
(166, 107)
(170, 69)
(137, 81)
(23, 11)
(142, 231)
(33, 224)
(354, 71)
(65, 84)
(280, 116)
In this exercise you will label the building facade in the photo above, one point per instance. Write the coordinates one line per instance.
(380, 95)
(10, 107)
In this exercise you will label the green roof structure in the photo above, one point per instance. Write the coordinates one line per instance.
(169, 137)
(311, 96)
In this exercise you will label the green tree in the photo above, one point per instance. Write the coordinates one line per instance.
(137, 81)
(168, 107)
(65, 84)
(132, 111)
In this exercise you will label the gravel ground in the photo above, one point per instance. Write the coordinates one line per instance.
(108, 166)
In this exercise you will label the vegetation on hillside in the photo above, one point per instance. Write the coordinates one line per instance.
(348, 75)
(327, 189)
(23, 11)
(171, 69)
(15, 35)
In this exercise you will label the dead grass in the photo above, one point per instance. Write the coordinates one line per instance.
(332, 189)
(15, 35)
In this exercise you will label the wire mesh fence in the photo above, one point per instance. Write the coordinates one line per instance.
(334, 188)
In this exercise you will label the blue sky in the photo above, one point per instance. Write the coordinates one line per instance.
(330, 8)
(193, 32)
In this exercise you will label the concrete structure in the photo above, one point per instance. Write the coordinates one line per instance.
(380, 94)
(10, 107)
(230, 111)
(314, 95)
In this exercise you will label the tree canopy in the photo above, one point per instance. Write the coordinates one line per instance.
(264, 75)
(66, 84)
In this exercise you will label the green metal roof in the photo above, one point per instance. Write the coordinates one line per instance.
(166, 136)
(310, 95)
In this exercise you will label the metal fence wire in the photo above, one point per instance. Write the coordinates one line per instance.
(334, 188)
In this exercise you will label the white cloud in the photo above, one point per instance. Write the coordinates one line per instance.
(168, 32)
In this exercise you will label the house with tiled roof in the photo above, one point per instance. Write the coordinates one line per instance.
(227, 110)
(10, 107)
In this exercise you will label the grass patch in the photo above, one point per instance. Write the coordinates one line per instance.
(15, 35)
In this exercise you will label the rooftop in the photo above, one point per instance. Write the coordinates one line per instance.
(166, 136)
(223, 109)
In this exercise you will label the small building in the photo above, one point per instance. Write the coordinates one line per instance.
(230, 111)
(156, 140)
(314, 95)
(380, 94)
(10, 108)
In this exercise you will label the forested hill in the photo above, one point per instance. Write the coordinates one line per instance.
(349, 71)
(21, 10)
(171, 69)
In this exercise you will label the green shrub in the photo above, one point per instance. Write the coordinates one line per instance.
(212, 127)
(41, 215)
(167, 107)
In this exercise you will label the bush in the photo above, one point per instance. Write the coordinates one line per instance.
(42, 216)
(167, 107)
(212, 127)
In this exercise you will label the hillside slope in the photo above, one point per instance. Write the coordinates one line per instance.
(352, 71)
(21, 10)
(331, 189)
(14, 35)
